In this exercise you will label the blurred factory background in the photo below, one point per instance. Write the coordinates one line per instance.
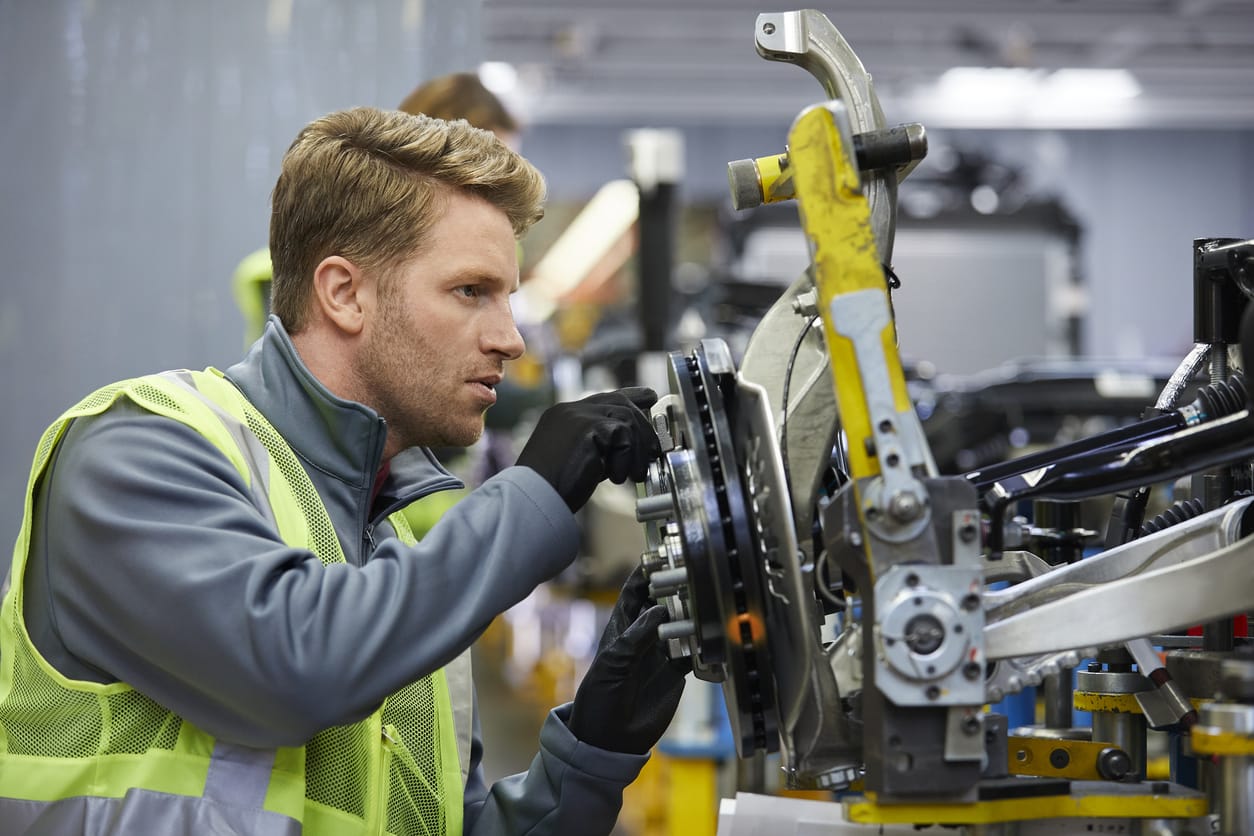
(143, 137)
(1077, 149)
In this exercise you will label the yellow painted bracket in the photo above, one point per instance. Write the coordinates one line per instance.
(1112, 703)
(1212, 741)
(1116, 703)
(1048, 758)
(836, 219)
(1176, 805)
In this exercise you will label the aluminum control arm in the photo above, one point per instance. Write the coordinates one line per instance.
(1187, 574)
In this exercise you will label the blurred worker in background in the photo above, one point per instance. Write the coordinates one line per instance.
(218, 623)
(463, 96)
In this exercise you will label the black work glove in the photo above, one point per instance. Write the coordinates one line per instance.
(630, 692)
(577, 444)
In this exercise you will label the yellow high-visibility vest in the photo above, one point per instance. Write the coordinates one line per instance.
(105, 759)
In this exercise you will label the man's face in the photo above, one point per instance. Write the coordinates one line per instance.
(435, 351)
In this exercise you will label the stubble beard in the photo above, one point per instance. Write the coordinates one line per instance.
(406, 393)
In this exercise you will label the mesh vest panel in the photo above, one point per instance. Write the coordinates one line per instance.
(47, 716)
(336, 760)
(44, 719)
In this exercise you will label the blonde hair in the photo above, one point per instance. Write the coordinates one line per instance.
(461, 96)
(365, 184)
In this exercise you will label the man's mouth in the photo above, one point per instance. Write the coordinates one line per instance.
(487, 387)
(491, 381)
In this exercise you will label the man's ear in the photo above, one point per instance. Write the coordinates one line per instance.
(342, 294)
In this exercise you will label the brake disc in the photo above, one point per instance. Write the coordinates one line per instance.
(705, 560)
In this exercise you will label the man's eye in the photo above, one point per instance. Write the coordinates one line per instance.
(469, 290)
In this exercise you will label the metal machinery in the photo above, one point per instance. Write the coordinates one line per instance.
(799, 488)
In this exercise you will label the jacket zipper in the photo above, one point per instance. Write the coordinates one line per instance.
(367, 533)
(388, 741)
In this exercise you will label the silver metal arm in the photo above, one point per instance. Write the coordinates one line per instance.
(808, 39)
(1186, 574)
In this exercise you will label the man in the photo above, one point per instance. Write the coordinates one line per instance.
(448, 97)
(526, 390)
(218, 623)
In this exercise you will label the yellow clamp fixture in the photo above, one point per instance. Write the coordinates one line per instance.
(1078, 760)
(836, 219)
(1085, 801)
(769, 179)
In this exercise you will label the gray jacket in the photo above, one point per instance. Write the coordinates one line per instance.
(150, 565)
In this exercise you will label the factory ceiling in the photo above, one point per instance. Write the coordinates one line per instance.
(948, 63)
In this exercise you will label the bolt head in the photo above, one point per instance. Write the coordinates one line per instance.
(925, 634)
(1114, 764)
(904, 506)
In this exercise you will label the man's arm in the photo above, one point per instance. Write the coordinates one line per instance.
(570, 787)
(155, 568)
(593, 747)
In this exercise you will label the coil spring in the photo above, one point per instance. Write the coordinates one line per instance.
(1224, 397)
(1176, 514)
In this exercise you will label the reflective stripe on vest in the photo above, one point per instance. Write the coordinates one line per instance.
(82, 757)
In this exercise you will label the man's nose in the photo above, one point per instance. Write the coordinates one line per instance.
(504, 338)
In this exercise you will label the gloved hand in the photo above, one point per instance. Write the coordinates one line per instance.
(577, 444)
(630, 692)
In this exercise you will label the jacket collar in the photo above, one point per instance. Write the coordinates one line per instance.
(340, 438)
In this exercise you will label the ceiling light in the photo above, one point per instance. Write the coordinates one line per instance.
(1018, 97)
(498, 76)
(1091, 84)
(988, 84)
